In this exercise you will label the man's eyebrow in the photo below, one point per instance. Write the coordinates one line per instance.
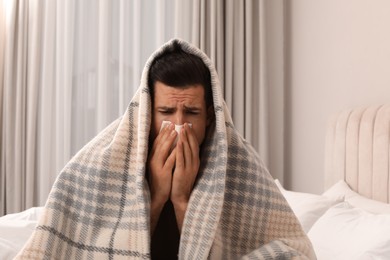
(192, 108)
(165, 108)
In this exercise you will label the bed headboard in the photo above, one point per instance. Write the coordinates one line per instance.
(357, 150)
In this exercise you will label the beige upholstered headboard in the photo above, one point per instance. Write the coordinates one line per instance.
(357, 150)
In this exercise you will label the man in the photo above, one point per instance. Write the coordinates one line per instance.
(133, 193)
(180, 86)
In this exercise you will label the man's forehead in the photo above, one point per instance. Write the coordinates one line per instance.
(191, 95)
(173, 106)
(163, 88)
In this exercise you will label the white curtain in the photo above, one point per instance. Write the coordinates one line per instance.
(2, 46)
(28, 72)
(232, 34)
(71, 67)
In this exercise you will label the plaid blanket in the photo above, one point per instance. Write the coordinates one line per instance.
(99, 206)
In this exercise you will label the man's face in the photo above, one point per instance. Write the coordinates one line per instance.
(180, 105)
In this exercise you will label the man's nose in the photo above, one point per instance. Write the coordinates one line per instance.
(179, 118)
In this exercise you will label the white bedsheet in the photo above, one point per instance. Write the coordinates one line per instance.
(15, 229)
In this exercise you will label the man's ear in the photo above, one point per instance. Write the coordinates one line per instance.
(210, 115)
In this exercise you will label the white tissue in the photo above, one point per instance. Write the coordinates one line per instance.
(177, 129)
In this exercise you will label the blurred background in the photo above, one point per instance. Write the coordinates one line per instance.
(69, 68)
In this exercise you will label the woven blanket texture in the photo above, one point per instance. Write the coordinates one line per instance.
(99, 206)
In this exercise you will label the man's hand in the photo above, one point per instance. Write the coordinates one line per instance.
(161, 164)
(186, 170)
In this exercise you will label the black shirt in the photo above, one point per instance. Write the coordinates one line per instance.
(166, 236)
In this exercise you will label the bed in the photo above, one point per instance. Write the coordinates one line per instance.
(350, 220)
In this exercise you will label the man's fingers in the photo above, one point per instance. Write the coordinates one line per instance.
(179, 155)
(164, 133)
(193, 142)
(170, 162)
(186, 147)
(164, 144)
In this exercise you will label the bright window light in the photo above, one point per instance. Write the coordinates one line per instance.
(8, 4)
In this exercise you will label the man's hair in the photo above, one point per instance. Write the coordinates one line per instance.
(177, 68)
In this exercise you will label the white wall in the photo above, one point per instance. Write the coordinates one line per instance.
(338, 57)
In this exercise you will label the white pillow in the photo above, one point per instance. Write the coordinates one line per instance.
(341, 188)
(345, 232)
(29, 214)
(15, 230)
(307, 207)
